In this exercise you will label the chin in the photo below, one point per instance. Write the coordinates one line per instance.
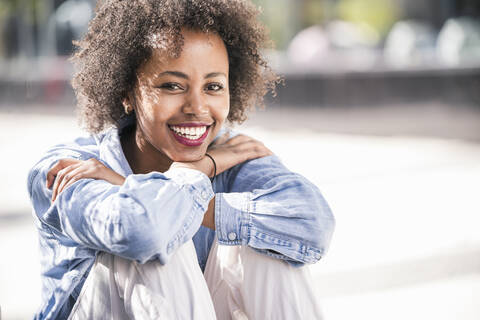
(190, 157)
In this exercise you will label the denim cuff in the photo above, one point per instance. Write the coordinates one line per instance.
(232, 219)
(198, 184)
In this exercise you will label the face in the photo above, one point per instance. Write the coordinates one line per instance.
(181, 103)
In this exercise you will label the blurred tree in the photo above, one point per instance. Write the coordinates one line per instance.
(377, 14)
(8, 7)
(285, 18)
(281, 19)
(314, 12)
(18, 27)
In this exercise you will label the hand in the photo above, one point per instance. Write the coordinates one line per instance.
(66, 171)
(230, 152)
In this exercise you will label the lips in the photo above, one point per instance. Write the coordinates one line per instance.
(190, 134)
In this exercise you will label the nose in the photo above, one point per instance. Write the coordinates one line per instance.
(195, 103)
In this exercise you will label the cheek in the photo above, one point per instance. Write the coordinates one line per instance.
(156, 110)
(222, 109)
(146, 105)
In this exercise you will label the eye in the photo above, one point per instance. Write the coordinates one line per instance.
(214, 87)
(171, 86)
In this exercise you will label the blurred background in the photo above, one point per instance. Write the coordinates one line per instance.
(380, 109)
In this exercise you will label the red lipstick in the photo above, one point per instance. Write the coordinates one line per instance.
(190, 142)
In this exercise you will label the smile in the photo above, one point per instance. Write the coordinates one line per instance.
(190, 135)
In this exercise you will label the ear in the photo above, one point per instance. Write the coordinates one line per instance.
(129, 103)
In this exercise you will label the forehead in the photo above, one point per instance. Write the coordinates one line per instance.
(199, 51)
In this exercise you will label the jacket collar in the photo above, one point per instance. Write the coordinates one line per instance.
(111, 152)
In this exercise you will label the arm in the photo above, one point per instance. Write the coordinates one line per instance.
(67, 171)
(274, 211)
(147, 217)
(144, 216)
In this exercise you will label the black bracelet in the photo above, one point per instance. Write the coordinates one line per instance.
(214, 167)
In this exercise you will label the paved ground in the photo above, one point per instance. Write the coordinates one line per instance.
(402, 183)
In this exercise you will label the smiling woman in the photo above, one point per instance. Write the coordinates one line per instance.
(123, 35)
(128, 218)
(180, 104)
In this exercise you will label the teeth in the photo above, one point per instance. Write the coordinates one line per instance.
(192, 133)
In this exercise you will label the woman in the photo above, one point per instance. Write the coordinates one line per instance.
(117, 211)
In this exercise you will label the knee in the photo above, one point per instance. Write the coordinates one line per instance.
(256, 262)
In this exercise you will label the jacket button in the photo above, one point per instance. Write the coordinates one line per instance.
(232, 236)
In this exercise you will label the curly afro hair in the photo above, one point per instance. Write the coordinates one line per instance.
(123, 34)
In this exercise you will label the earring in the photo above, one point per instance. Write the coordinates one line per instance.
(128, 109)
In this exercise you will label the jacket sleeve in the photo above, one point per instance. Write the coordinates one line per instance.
(273, 210)
(147, 217)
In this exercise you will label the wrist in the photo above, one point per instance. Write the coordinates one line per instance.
(214, 173)
(119, 179)
(204, 165)
(209, 216)
(113, 177)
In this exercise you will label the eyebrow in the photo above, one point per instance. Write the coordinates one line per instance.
(215, 74)
(184, 76)
(173, 73)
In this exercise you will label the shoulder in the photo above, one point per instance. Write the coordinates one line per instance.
(82, 148)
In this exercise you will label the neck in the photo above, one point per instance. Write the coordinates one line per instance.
(141, 155)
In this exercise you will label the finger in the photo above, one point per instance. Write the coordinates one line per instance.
(244, 145)
(252, 149)
(59, 165)
(72, 181)
(74, 174)
(262, 150)
(223, 138)
(53, 172)
(238, 139)
(58, 180)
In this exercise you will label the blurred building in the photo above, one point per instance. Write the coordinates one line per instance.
(35, 42)
(437, 12)
(343, 49)
(38, 28)
(378, 52)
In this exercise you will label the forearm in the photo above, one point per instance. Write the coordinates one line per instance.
(209, 217)
(274, 211)
(147, 217)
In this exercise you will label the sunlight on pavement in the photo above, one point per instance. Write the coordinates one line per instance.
(407, 214)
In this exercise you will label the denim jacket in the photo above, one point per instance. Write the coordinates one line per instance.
(258, 203)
